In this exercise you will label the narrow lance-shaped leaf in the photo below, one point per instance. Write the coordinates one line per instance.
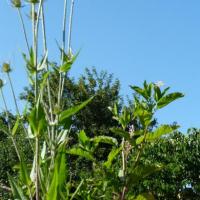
(68, 64)
(83, 137)
(16, 189)
(24, 175)
(164, 101)
(121, 132)
(73, 110)
(80, 152)
(142, 171)
(112, 155)
(104, 139)
(52, 191)
(160, 131)
(14, 130)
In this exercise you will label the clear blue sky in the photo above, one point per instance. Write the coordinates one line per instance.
(136, 40)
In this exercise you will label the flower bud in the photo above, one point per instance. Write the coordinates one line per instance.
(16, 3)
(6, 68)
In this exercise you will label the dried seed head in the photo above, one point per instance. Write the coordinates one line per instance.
(1, 83)
(6, 68)
(16, 3)
(34, 1)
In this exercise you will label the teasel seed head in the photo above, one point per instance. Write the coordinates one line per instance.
(34, 1)
(6, 67)
(16, 3)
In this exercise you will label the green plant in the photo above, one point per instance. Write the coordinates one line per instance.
(46, 128)
(47, 125)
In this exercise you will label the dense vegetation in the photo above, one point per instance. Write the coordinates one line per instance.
(78, 140)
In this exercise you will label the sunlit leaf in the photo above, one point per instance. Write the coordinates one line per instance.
(164, 101)
(73, 110)
(80, 152)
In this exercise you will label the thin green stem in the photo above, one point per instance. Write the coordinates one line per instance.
(63, 49)
(77, 189)
(23, 28)
(37, 167)
(70, 25)
(69, 39)
(13, 93)
(35, 26)
(45, 50)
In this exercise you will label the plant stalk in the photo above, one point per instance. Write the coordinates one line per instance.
(24, 29)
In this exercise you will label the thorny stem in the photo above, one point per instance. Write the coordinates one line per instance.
(37, 167)
(63, 49)
(35, 26)
(24, 29)
(45, 50)
(70, 25)
(69, 37)
(34, 46)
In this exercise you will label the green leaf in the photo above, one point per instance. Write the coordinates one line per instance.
(16, 189)
(68, 63)
(24, 175)
(121, 132)
(145, 196)
(14, 130)
(112, 155)
(42, 65)
(83, 137)
(80, 152)
(140, 91)
(104, 139)
(37, 120)
(72, 111)
(142, 171)
(160, 131)
(52, 191)
(164, 101)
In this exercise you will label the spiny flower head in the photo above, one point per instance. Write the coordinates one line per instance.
(16, 3)
(6, 67)
(33, 1)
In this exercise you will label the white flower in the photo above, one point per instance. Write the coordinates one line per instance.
(159, 83)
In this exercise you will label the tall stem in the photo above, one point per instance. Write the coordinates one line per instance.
(24, 29)
(69, 38)
(45, 51)
(13, 93)
(70, 25)
(63, 49)
(35, 26)
(37, 167)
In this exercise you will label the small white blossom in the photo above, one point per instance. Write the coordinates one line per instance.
(159, 83)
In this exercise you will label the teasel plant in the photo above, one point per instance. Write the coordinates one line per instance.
(47, 126)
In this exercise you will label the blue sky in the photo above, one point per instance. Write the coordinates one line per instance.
(136, 40)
